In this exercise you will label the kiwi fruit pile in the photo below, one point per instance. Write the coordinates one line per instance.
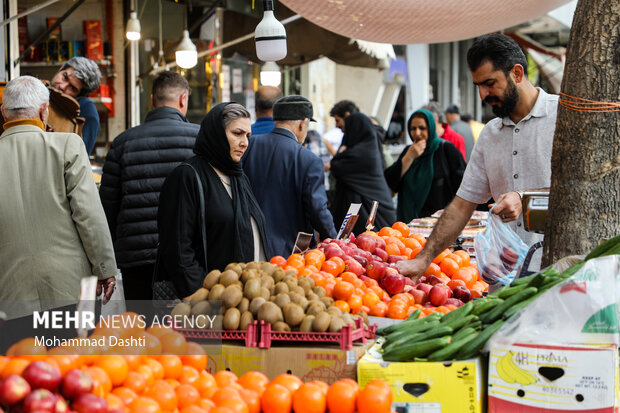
(263, 291)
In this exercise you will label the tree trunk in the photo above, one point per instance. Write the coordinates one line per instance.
(584, 204)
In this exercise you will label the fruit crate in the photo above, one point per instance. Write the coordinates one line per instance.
(345, 337)
(249, 336)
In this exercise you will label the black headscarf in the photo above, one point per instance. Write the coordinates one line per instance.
(212, 145)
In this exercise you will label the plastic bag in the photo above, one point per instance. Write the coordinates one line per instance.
(581, 310)
(499, 252)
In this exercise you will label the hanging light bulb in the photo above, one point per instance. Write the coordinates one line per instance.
(186, 54)
(270, 74)
(270, 36)
(133, 27)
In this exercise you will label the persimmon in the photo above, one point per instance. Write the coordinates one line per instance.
(309, 398)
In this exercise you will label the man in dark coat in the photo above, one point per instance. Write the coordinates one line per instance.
(287, 179)
(136, 166)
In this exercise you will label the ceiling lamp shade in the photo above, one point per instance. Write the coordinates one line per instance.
(270, 36)
(186, 54)
(133, 27)
(270, 74)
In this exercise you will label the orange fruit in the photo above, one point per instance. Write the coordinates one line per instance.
(147, 373)
(114, 402)
(144, 405)
(397, 311)
(135, 381)
(221, 410)
(449, 266)
(206, 404)
(224, 378)
(370, 299)
(276, 399)
(464, 255)
(374, 399)
(188, 375)
(186, 395)
(343, 290)
(341, 397)
(296, 261)
(467, 276)
(330, 267)
(225, 393)
(195, 356)
(443, 254)
(125, 394)
(309, 398)
(236, 405)
(453, 283)
(355, 302)
(251, 399)
(152, 344)
(343, 306)
(420, 238)
(392, 249)
(379, 309)
(173, 343)
(163, 393)
(322, 385)
(340, 265)
(433, 269)
(115, 366)
(193, 409)
(158, 330)
(278, 260)
(156, 367)
(27, 349)
(102, 384)
(173, 366)
(402, 228)
(456, 258)
(254, 380)
(289, 381)
(14, 366)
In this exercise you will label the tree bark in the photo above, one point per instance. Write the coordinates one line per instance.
(584, 204)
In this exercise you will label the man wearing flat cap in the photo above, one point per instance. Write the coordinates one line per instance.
(287, 179)
(453, 116)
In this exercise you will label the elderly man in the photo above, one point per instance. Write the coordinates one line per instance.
(513, 152)
(77, 78)
(287, 179)
(53, 230)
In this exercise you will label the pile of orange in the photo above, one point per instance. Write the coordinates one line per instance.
(354, 295)
(176, 381)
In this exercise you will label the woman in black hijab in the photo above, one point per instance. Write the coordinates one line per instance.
(235, 227)
(359, 175)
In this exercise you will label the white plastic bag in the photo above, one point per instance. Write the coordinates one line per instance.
(499, 252)
(581, 310)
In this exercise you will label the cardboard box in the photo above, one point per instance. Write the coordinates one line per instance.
(94, 49)
(427, 387)
(92, 29)
(327, 363)
(55, 34)
(529, 378)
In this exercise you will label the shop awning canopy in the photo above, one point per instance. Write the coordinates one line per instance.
(417, 21)
(306, 42)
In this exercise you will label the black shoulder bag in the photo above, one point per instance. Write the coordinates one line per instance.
(164, 290)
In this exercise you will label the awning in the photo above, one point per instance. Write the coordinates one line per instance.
(417, 21)
(306, 42)
(551, 68)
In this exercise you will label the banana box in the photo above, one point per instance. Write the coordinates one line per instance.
(531, 378)
(427, 387)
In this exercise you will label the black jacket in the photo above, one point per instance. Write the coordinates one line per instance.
(136, 166)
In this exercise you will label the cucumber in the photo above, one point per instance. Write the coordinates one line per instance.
(465, 331)
(601, 249)
(522, 280)
(460, 312)
(412, 329)
(417, 350)
(404, 325)
(448, 352)
(404, 338)
(513, 310)
(537, 280)
(415, 315)
(474, 324)
(497, 311)
(472, 348)
(427, 335)
(461, 321)
(505, 293)
(486, 305)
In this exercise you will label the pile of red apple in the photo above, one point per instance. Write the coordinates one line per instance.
(366, 257)
(42, 389)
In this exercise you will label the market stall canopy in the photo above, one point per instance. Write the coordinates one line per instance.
(419, 21)
(306, 42)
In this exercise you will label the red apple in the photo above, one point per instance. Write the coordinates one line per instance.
(376, 270)
(439, 294)
(40, 400)
(433, 280)
(76, 382)
(333, 252)
(462, 293)
(347, 249)
(364, 277)
(362, 260)
(13, 390)
(409, 281)
(393, 284)
(419, 296)
(366, 242)
(89, 403)
(454, 301)
(394, 258)
(408, 288)
(41, 375)
(61, 405)
(352, 237)
(354, 267)
(364, 254)
(424, 287)
(380, 243)
(422, 279)
(391, 270)
(381, 254)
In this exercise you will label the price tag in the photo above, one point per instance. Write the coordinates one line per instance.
(354, 209)
(302, 243)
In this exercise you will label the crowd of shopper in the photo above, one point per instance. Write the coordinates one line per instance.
(178, 200)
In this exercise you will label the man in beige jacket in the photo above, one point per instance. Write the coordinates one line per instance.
(53, 230)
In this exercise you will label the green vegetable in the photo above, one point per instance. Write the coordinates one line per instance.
(497, 312)
(451, 349)
(420, 349)
(472, 348)
(486, 304)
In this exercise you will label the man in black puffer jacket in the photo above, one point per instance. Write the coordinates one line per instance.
(136, 166)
